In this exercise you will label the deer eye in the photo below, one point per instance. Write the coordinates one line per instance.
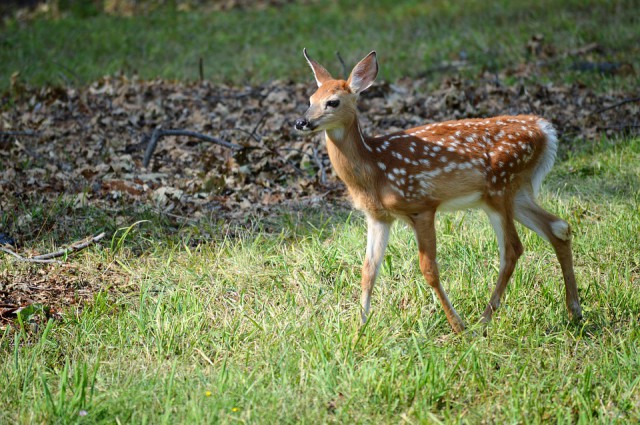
(332, 103)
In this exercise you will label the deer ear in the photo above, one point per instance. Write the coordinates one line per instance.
(319, 72)
(364, 73)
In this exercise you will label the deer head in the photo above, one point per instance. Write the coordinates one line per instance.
(333, 105)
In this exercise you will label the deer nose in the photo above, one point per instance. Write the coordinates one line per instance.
(301, 123)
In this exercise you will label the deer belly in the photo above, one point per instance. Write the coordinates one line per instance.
(471, 200)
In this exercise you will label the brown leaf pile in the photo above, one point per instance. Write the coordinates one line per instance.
(52, 288)
(87, 144)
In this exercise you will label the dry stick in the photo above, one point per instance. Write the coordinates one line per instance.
(6, 136)
(158, 133)
(288, 161)
(615, 105)
(259, 124)
(73, 248)
(20, 133)
(316, 157)
(49, 258)
(620, 127)
(254, 136)
(29, 260)
(344, 65)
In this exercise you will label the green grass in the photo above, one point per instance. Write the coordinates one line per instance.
(263, 327)
(201, 323)
(412, 38)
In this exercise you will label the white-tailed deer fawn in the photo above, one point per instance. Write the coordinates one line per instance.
(496, 164)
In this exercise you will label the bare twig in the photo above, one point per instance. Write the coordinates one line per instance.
(68, 70)
(344, 65)
(316, 157)
(49, 258)
(29, 152)
(20, 133)
(7, 136)
(254, 136)
(615, 105)
(620, 127)
(73, 248)
(8, 251)
(259, 124)
(29, 260)
(158, 133)
(276, 152)
(569, 53)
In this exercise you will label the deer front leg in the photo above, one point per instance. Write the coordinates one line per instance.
(377, 239)
(424, 227)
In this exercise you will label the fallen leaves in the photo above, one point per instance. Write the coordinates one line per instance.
(86, 145)
(40, 293)
(88, 142)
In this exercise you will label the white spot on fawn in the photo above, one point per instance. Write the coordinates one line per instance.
(561, 230)
(452, 166)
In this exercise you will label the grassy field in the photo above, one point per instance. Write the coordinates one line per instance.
(412, 38)
(256, 325)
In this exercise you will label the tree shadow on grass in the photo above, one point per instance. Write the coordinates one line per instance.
(41, 225)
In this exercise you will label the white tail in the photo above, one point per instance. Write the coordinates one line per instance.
(496, 164)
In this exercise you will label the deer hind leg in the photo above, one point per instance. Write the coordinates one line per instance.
(558, 233)
(377, 239)
(510, 250)
(424, 227)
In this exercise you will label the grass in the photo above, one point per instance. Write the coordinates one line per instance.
(413, 38)
(262, 326)
(210, 324)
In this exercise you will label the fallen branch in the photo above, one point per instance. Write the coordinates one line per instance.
(6, 136)
(620, 127)
(20, 133)
(344, 65)
(615, 105)
(254, 136)
(259, 124)
(318, 160)
(158, 133)
(49, 258)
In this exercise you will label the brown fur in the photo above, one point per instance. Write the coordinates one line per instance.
(486, 163)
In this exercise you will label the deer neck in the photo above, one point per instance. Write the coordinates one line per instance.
(350, 155)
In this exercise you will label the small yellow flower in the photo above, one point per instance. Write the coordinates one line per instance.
(207, 393)
(235, 409)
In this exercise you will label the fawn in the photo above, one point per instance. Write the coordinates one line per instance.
(496, 164)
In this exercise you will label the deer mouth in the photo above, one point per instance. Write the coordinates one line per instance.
(304, 125)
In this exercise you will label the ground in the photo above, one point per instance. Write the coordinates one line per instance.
(227, 289)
